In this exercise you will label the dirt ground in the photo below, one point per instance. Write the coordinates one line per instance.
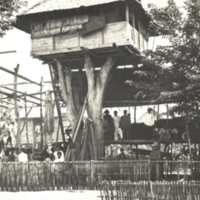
(51, 195)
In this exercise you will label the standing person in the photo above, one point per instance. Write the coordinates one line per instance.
(11, 157)
(155, 155)
(108, 126)
(149, 120)
(116, 120)
(174, 132)
(164, 133)
(125, 124)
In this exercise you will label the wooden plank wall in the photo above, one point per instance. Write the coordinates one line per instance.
(120, 33)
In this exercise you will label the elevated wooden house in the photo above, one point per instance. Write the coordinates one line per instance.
(65, 28)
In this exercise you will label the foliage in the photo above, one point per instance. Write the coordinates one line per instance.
(178, 76)
(8, 10)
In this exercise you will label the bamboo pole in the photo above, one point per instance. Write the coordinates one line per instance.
(18, 75)
(16, 109)
(26, 122)
(41, 117)
(5, 52)
(23, 83)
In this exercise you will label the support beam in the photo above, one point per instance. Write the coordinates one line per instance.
(31, 102)
(20, 76)
(89, 52)
(7, 94)
(23, 83)
(5, 52)
(41, 116)
(16, 109)
(26, 122)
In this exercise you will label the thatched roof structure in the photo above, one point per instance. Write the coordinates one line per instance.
(55, 5)
(46, 9)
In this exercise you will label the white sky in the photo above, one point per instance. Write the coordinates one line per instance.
(33, 68)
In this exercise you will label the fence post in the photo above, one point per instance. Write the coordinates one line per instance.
(149, 169)
(91, 175)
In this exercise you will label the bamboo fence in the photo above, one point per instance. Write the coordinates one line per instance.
(150, 190)
(36, 176)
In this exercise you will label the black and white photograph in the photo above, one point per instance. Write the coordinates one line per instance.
(100, 99)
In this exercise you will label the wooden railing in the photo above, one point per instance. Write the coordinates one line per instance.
(88, 174)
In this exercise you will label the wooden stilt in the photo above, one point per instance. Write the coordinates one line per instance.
(26, 120)
(16, 109)
(41, 115)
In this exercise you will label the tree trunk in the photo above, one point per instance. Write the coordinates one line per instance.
(97, 84)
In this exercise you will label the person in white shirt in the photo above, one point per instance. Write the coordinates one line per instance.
(22, 157)
(116, 120)
(149, 121)
(60, 157)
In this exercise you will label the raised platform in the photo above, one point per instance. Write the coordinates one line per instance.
(194, 141)
(70, 48)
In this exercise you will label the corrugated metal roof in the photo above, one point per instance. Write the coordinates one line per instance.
(53, 5)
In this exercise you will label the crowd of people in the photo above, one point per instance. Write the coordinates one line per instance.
(8, 129)
(49, 154)
(116, 127)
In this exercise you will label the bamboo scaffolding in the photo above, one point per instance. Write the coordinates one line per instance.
(23, 83)
(20, 76)
(7, 88)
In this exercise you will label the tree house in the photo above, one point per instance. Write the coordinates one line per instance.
(64, 29)
(70, 34)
